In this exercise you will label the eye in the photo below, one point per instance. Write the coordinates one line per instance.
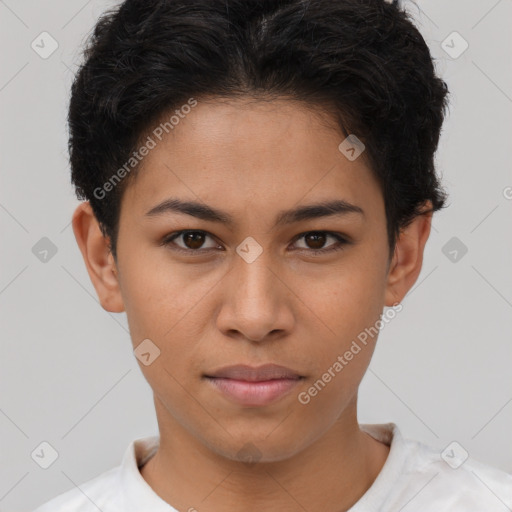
(192, 240)
(318, 238)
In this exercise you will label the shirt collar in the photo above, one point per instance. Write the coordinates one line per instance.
(140, 496)
(390, 473)
(136, 491)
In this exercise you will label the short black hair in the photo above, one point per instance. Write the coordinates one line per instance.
(363, 62)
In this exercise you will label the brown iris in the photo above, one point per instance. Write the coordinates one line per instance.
(317, 239)
(193, 240)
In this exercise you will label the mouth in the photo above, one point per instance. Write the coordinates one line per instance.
(254, 386)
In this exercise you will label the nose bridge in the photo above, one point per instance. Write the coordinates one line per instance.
(254, 280)
(254, 305)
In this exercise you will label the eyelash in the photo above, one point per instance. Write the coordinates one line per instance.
(342, 241)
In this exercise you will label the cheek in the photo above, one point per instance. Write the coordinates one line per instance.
(160, 298)
(344, 301)
(341, 363)
(170, 307)
(342, 313)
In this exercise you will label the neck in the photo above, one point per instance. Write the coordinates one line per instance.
(332, 473)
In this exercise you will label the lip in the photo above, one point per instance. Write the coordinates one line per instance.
(254, 386)
(254, 373)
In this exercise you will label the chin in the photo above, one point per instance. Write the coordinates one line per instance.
(251, 447)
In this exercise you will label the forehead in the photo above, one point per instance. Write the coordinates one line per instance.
(237, 151)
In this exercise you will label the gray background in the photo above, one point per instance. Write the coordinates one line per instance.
(68, 376)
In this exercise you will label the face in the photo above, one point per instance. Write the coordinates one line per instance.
(265, 287)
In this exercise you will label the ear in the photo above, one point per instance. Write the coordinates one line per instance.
(98, 258)
(407, 259)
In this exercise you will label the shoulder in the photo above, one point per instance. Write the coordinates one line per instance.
(115, 489)
(99, 493)
(422, 478)
(451, 480)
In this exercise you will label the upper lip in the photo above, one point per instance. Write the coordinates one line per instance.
(255, 373)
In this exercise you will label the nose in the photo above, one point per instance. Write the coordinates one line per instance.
(256, 303)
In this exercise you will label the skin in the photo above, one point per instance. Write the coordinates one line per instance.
(252, 160)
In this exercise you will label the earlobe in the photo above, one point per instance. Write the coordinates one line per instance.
(97, 258)
(407, 259)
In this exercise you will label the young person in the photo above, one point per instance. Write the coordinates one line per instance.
(259, 184)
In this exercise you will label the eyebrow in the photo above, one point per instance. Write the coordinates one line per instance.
(284, 217)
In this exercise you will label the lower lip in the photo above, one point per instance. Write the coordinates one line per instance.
(254, 393)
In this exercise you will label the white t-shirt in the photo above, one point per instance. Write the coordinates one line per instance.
(414, 478)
